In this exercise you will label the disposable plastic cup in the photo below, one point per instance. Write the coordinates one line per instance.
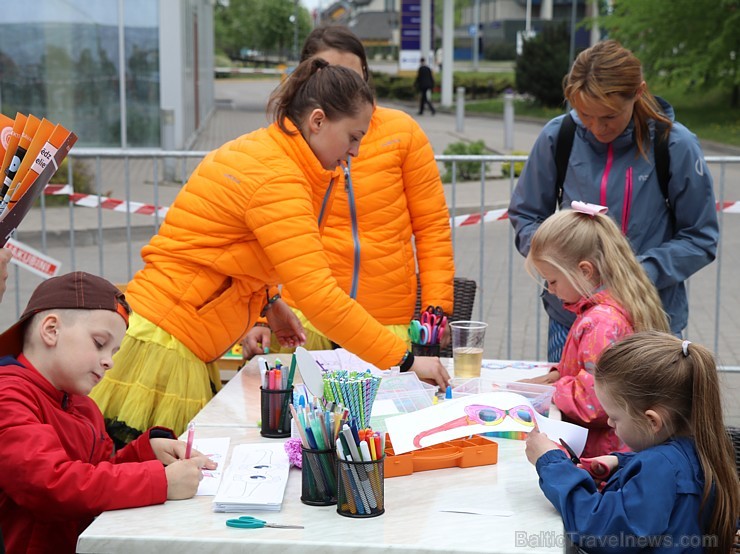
(468, 338)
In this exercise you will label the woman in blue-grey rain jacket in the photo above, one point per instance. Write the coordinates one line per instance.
(612, 163)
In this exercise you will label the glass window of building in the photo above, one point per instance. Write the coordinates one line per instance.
(62, 60)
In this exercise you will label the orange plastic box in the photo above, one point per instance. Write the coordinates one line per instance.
(475, 451)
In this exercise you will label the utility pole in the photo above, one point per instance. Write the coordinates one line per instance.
(294, 19)
(572, 52)
(447, 48)
(475, 34)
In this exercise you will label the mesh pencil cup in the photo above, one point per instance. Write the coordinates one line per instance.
(425, 349)
(319, 477)
(360, 488)
(275, 412)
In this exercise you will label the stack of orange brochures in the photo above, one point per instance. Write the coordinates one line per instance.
(31, 151)
(474, 451)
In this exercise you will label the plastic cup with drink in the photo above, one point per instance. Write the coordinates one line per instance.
(467, 347)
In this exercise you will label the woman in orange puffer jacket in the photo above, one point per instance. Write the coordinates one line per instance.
(392, 193)
(246, 220)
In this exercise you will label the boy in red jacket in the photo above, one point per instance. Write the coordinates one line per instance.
(57, 466)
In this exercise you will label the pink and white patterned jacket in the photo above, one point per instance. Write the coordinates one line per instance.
(600, 321)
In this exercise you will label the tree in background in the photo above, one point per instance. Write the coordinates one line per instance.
(696, 41)
(543, 64)
(264, 25)
(235, 27)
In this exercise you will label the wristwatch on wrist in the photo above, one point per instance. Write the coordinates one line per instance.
(407, 361)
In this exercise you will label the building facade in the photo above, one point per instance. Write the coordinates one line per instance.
(501, 23)
(93, 65)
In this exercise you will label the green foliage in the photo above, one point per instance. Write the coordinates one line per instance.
(222, 60)
(499, 50)
(518, 166)
(482, 85)
(396, 87)
(706, 113)
(477, 85)
(686, 40)
(234, 27)
(542, 65)
(466, 171)
(262, 25)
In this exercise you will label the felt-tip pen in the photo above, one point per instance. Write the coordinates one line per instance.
(191, 437)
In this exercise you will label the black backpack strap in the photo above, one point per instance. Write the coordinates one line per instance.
(563, 147)
(662, 158)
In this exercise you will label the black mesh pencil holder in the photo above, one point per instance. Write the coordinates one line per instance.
(319, 477)
(425, 349)
(276, 412)
(360, 488)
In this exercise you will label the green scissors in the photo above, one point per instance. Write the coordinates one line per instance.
(249, 522)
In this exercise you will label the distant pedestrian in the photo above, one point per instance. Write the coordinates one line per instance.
(425, 85)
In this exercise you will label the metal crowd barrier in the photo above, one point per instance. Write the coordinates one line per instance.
(91, 235)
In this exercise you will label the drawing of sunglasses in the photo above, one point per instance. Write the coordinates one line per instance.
(478, 414)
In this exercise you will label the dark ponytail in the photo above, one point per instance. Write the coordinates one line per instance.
(338, 91)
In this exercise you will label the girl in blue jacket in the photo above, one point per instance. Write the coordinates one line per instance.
(678, 491)
(670, 222)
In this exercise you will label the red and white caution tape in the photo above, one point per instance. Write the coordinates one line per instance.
(93, 201)
(473, 219)
(729, 207)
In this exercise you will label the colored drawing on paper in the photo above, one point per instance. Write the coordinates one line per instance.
(476, 414)
(488, 416)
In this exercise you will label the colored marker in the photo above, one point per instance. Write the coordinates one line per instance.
(191, 436)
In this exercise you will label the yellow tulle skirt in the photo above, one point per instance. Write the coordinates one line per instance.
(315, 340)
(155, 381)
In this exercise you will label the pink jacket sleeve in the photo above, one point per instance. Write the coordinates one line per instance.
(592, 332)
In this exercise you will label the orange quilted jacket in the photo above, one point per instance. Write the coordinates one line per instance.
(393, 193)
(247, 219)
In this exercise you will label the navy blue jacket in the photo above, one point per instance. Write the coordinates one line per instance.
(651, 502)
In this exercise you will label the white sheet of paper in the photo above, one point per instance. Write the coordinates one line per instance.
(511, 370)
(216, 449)
(255, 479)
(310, 371)
(333, 360)
(448, 421)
